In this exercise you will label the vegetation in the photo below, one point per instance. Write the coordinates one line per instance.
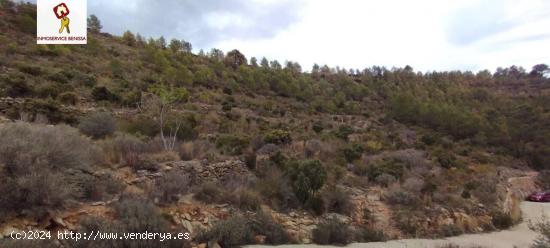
(149, 116)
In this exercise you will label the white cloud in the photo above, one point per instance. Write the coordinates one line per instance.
(361, 33)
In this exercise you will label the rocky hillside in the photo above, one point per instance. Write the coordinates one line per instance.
(128, 134)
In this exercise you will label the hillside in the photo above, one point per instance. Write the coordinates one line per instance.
(128, 134)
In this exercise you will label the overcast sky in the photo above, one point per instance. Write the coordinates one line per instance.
(426, 34)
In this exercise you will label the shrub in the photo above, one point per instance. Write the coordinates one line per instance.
(391, 167)
(68, 98)
(450, 230)
(369, 234)
(142, 125)
(246, 199)
(197, 149)
(317, 205)
(232, 232)
(343, 132)
(502, 220)
(209, 192)
(36, 163)
(338, 201)
(168, 188)
(353, 152)
(98, 125)
(231, 145)
(276, 190)
(445, 158)
(385, 179)
(138, 215)
(123, 148)
(279, 137)
(99, 188)
(307, 177)
(103, 94)
(317, 127)
(401, 197)
(543, 228)
(263, 224)
(15, 85)
(332, 231)
(48, 108)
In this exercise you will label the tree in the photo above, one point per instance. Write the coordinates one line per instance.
(235, 59)
(94, 25)
(265, 63)
(162, 104)
(176, 46)
(161, 42)
(307, 177)
(254, 62)
(187, 46)
(275, 65)
(129, 38)
(540, 70)
(217, 54)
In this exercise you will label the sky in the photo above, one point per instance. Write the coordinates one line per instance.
(425, 34)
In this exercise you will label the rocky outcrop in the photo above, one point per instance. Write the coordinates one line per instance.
(203, 171)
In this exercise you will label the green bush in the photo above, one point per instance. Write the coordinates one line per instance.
(279, 137)
(445, 158)
(391, 167)
(332, 231)
(231, 144)
(97, 125)
(307, 177)
(353, 152)
(15, 85)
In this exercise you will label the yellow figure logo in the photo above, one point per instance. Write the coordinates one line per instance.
(65, 24)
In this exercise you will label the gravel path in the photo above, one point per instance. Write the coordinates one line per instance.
(519, 236)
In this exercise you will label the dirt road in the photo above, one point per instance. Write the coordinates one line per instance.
(519, 236)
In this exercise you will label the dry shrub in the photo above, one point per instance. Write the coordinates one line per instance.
(169, 188)
(123, 148)
(198, 149)
(275, 188)
(338, 201)
(332, 231)
(36, 160)
(233, 232)
(97, 125)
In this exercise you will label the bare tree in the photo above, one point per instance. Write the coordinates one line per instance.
(162, 104)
